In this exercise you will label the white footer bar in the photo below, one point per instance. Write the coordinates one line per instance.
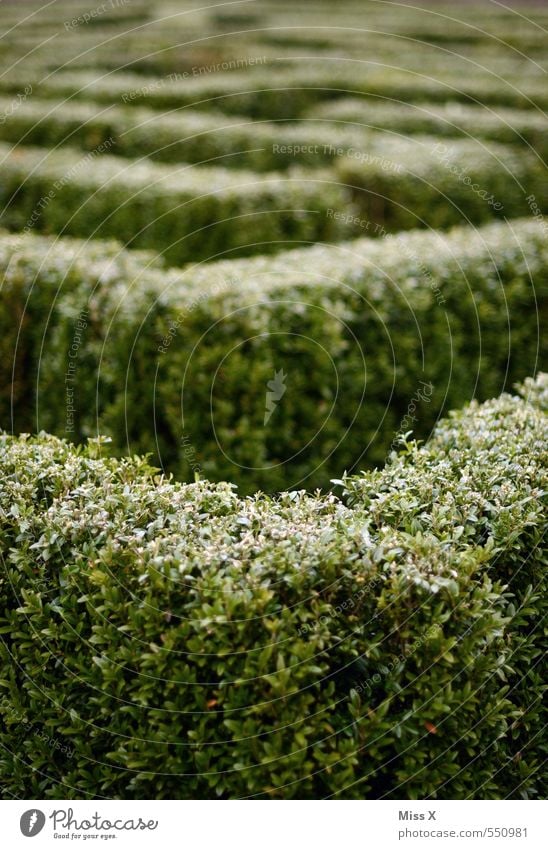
(276, 825)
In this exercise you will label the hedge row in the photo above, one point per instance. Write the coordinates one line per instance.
(168, 641)
(202, 51)
(270, 372)
(192, 136)
(507, 126)
(479, 27)
(263, 91)
(421, 181)
(195, 213)
(187, 213)
(284, 24)
(197, 136)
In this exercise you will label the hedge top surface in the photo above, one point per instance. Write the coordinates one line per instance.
(397, 259)
(67, 165)
(482, 469)
(400, 257)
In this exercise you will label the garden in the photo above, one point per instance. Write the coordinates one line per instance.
(273, 392)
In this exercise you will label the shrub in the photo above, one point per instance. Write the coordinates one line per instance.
(424, 182)
(507, 126)
(194, 213)
(286, 93)
(187, 213)
(189, 136)
(374, 338)
(195, 136)
(162, 640)
(38, 276)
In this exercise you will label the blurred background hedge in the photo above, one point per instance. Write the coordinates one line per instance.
(374, 337)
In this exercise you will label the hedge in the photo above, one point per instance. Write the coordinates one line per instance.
(362, 341)
(162, 640)
(480, 28)
(38, 276)
(286, 92)
(507, 126)
(198, 53)
(187, 213)
(192, 213)
(188, 135)
(422, 181)
(196, 136)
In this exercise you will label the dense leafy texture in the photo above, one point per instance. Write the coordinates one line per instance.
(425, 181)
(186, 213)
(235, 141)
(170, 641)
(374, 337)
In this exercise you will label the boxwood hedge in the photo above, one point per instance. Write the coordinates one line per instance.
(196, 136)
(163, 640)
(187, 135)
(395, 183)
(507, 126)
(286, 92)
(418, 181)
(186, 212)
(363, 341)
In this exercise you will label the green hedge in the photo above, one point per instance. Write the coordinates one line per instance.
(187, 213)
(285, 92)
(192, 213)
(192, 136)
(507, 126)
(422, 181)
(369, 338)
(196, 136)
(38, 276)
(161, 640)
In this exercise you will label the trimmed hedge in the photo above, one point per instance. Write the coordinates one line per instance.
(38, 276)
(188, 135)
(369, 338)
(507, 126)
(187, 213)
(192, 213)
(168, 641)
(422, 181)
(196, 136)
(283, 92)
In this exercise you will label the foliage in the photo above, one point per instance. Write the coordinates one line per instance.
(408, 327)
(178, 641)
